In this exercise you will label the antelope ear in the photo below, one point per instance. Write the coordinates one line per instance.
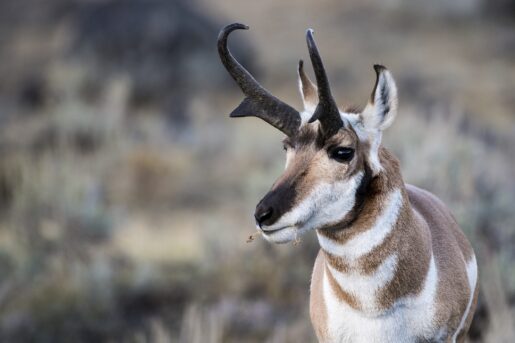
(308, 90)
(382, 107)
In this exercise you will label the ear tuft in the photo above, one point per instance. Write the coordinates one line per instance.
(382, 107)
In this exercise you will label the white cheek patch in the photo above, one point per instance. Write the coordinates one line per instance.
(289, 157)
(373, 154)
(327, 203)
(365, 242)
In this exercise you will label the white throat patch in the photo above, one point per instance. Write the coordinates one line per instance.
(366, 241)
(364, 287)
(409, 319)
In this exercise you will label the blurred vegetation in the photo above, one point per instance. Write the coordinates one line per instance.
(126, 193)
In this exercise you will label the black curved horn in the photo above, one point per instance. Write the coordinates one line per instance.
(327, 111)
(258, 101)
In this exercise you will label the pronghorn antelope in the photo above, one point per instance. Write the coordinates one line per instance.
(393, 265)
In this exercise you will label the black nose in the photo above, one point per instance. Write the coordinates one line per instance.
(263, 214)
(275, 203)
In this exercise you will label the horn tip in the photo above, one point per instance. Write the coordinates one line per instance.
(310, 39)
(301, 64)
(234, 26)
(238, 26)
(309, 33)
(226, 30)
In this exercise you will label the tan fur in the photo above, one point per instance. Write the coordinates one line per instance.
(463, 333)
(412, 244)
(378, 191)
(452, 251)
(342, 295)
(423, 226)
(405, 281)
(310, 166)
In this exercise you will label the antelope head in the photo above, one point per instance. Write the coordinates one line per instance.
(331, 155)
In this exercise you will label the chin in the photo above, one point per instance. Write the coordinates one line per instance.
(284, 235)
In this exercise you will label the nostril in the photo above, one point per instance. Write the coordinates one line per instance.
(263, 214)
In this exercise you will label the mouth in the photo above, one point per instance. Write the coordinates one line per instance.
(271, 232)
(284, 234)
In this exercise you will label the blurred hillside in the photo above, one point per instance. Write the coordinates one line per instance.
(126, 193)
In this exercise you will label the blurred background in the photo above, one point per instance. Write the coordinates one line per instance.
(127, 194)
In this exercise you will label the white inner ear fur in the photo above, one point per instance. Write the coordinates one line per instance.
(378, 115)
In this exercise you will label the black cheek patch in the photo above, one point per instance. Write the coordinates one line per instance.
(363, 188)
(362, 193)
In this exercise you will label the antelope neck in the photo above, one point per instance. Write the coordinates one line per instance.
(365, 259)
(379, 202)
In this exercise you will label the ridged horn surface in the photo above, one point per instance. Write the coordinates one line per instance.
(258, 101)
(326, 111)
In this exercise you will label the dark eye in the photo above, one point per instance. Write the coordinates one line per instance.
(342, 154)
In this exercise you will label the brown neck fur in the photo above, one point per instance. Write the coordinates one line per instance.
(408, 238)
